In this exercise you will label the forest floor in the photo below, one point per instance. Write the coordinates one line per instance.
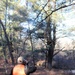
(5, 70)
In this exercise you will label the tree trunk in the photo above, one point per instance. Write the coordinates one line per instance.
(50, 42)
(50, 56)
(8, 42)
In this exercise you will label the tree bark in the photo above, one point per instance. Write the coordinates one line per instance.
(50, 56)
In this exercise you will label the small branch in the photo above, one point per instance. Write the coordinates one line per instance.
(58, 51)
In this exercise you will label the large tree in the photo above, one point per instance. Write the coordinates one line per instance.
(48, 13)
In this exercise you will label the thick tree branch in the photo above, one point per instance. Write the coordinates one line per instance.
(57, 10)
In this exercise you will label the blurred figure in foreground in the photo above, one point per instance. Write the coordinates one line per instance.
(22, 67)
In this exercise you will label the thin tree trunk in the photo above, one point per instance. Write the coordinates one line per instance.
(8, 42)
(32, 50)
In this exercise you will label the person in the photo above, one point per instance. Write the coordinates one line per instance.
(22, 68)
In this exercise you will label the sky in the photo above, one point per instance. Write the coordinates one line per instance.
(27, 25)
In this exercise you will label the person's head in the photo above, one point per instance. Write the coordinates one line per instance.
(20, 60)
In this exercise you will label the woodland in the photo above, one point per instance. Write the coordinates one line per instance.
(29, 28)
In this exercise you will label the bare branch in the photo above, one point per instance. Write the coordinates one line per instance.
(41, 10)
(58, 51)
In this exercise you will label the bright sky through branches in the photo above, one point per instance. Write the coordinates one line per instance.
(69, 16)
(23, 2)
